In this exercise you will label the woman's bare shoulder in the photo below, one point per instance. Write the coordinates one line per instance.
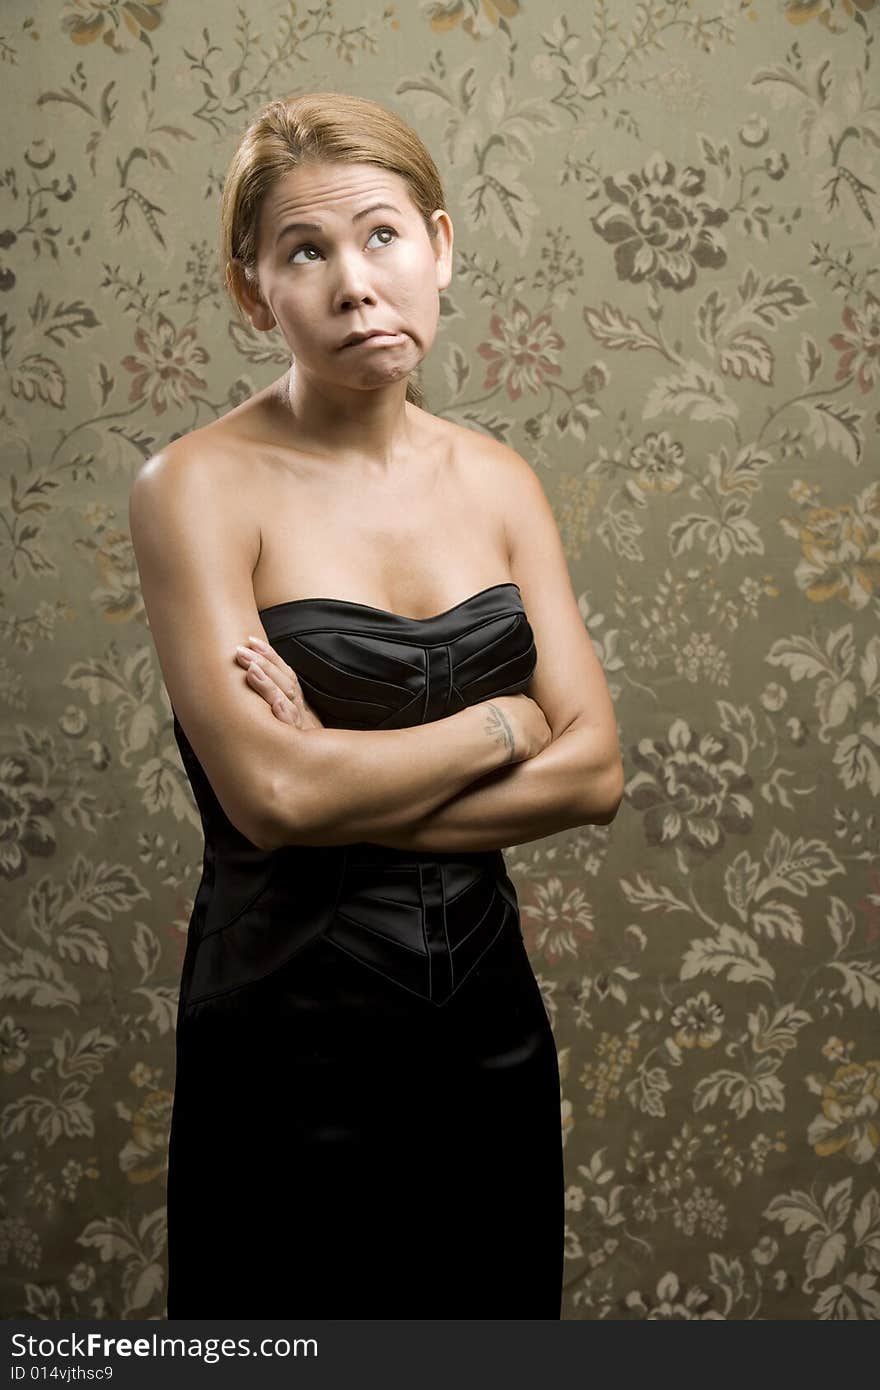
(217, 448)
(205, 479)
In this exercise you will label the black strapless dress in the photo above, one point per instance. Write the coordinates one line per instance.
(366, 1117)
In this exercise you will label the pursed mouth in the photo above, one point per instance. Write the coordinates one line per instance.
(358, 342)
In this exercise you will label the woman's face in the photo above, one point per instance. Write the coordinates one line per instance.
(358, 268)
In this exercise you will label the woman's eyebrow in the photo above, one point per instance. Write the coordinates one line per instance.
(317, 227)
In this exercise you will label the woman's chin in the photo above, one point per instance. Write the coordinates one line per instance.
(384, 373)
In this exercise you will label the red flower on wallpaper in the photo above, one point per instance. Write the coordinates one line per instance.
(859, 347)
(163, 366)
(522, 351)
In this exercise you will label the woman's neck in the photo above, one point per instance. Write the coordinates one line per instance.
(373, 429)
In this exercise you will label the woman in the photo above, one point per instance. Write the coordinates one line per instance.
(349, 598)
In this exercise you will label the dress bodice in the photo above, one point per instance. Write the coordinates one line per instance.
(359, 668)
(366, 668)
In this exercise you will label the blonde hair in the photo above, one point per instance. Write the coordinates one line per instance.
(328, 126)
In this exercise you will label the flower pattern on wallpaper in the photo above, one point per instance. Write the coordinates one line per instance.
(662, 224)
(665, 297)
(84, 21)
(834, 14)
(162, 367)
(859, 343)
(522, 351)
(478, 18)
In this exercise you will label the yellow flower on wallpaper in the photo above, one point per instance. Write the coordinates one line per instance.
(88, 20)
(840, 549)
(828, 12)
(144, 1155)
(850, 1118)
(476, 17)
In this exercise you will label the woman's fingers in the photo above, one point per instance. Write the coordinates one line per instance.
(282, 706)
(278, 684)
(283, 675)
(267, 681)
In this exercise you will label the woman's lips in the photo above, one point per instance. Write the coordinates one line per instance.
(378, 340)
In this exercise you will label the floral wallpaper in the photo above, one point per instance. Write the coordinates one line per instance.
(667, 297)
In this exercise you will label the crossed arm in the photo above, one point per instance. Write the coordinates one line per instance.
(569, 783)
(573, 781)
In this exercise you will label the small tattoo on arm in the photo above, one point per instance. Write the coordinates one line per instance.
(498, 726)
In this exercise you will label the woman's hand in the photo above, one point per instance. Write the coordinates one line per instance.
(272, 678)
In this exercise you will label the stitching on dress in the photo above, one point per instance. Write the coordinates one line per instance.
(480, 923)
(392, 978)
(377, 898)
(246, 984)
(373, 932)
(249, 904)
(481, 651)
(467, 888)
(511, 661)
(473, 967)
(422, 915)
(344, 632)
(343, 670)
(450, 957)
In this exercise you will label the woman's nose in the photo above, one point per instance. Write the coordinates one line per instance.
(352, 283)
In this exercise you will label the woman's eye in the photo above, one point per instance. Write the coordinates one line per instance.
(384, 229)
(309, 246)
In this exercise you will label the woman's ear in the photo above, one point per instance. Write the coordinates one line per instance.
(444, 235)
(254, 305)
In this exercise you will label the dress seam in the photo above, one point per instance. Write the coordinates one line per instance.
(373, 932)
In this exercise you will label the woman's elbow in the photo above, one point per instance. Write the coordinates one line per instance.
(617, 782)
(292, 815)
(603, 796)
